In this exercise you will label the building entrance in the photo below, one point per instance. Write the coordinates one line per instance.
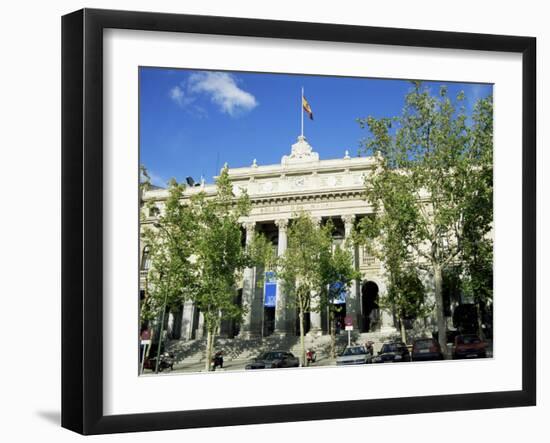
(369, 307)
(339, 317)
(307, 323)
(195, 333)
(269, 321)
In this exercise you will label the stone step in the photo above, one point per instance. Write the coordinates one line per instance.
(192, 351)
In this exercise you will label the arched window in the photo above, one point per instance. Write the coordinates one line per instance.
(146, 259)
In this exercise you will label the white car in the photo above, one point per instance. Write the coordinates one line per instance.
(353, 355)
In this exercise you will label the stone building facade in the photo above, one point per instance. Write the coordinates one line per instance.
(326, 189)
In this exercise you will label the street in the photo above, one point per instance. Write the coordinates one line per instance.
(240, 363)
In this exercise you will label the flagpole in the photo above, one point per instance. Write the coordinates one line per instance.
(302, 110)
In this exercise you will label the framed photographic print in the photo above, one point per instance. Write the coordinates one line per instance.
(282, 212)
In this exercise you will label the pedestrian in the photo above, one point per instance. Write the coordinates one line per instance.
(218, 360)
(369, 347)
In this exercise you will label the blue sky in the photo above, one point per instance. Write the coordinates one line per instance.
(192, 122)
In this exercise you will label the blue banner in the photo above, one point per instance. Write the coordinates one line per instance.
(270, 290)
(338, 293)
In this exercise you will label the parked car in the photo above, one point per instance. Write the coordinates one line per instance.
(426, 349)
(353, 355)
(393, 352)
(274, 359)
(449, 334)
(469, 346)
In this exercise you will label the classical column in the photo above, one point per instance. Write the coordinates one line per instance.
(315, 313)
(352, 302)
(187, 320)
(385, 317)
(252, 321)
(199, 333)
(282, 323)
(386, 322)
(170, 325)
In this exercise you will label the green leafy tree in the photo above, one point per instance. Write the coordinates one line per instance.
(299, 270)
(477, 243)
(477, 281)
(310, 267)
(337, 273)
(406, 296)
(431, 161)
(262, 255)
(144, 181)
(218, 255)
(197, 254)
(169, 248)
(388, 237)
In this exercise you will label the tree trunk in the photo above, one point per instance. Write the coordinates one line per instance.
(332, 334)
(440, 312)
(403, 333)
(209, 346)
(302, 344)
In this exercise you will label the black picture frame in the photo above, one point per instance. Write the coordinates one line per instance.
(82, 239)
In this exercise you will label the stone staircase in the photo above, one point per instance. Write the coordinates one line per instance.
(192, 351)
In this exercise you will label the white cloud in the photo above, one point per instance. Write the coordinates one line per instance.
(178, 96)
(223, 90)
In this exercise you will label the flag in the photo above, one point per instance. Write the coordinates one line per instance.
(307, 108)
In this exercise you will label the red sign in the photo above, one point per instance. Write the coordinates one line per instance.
(348, 320)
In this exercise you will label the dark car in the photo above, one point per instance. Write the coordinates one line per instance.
(166, 361)
(274, 359)
(449, 334)
(469, 346)
(393, 352)
(426, 349)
